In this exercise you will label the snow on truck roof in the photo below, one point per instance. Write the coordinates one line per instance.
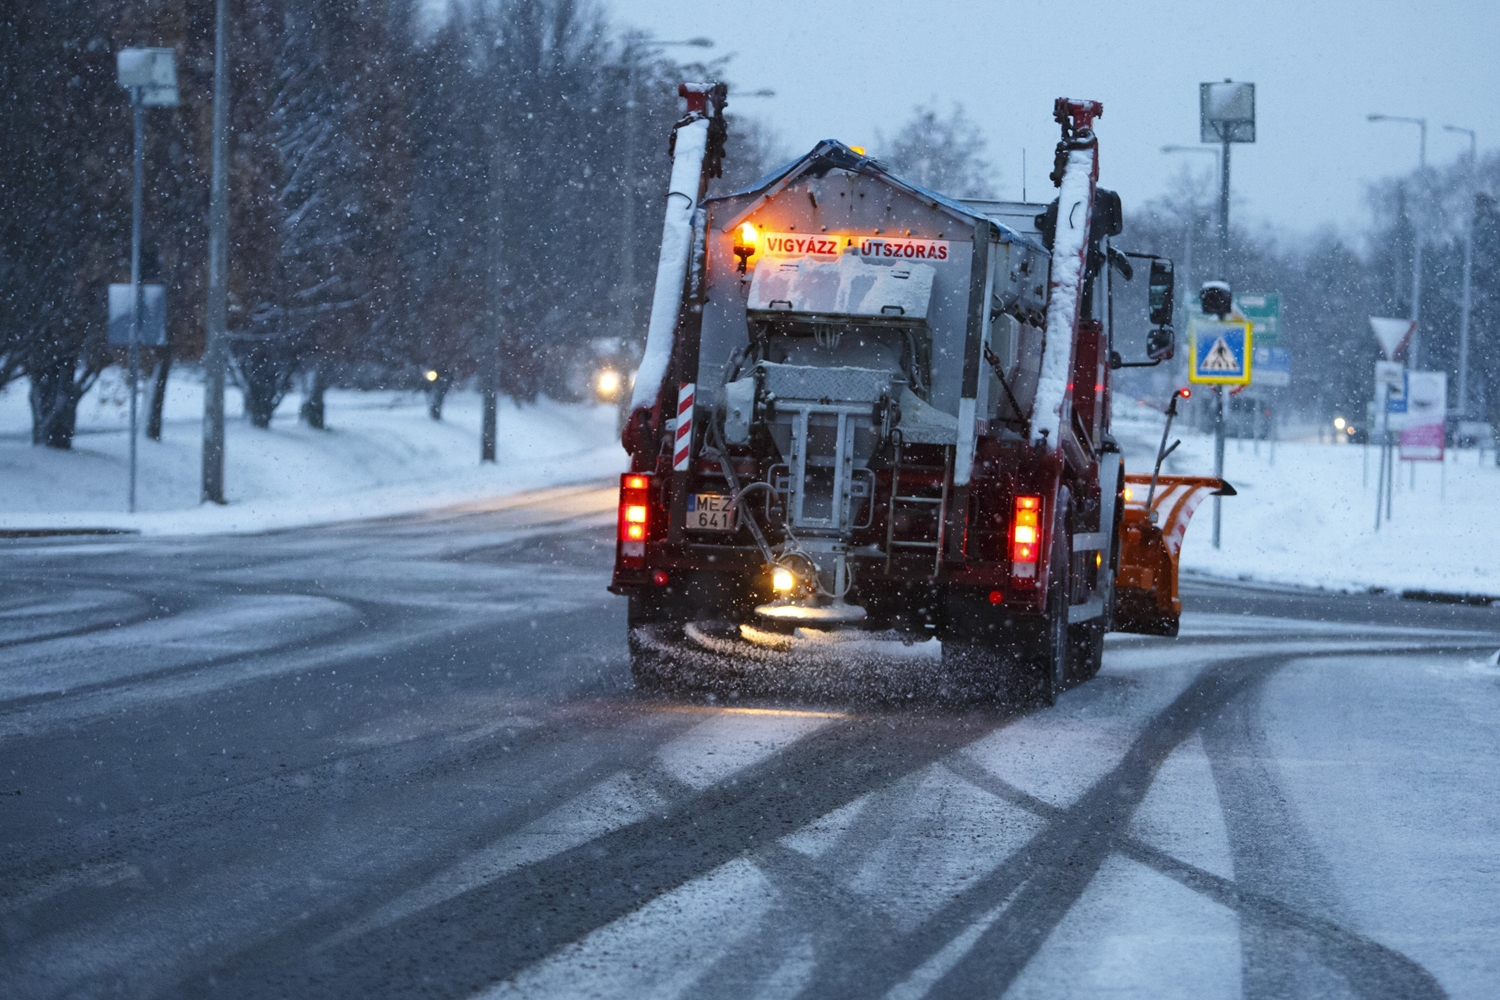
(830, 154)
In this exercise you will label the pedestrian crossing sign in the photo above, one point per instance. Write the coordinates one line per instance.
(1219, 351)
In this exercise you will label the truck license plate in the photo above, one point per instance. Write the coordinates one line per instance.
(709, 512)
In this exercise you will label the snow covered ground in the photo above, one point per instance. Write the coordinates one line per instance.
(381, 455)
(1307, 517)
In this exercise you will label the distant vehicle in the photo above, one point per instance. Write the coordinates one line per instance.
(864, 405)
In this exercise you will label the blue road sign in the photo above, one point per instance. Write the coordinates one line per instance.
(1219, 351)
(1273, 366)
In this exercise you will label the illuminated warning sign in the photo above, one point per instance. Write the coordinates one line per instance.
(831, 245)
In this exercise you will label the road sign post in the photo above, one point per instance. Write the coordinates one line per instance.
(1394, 335)
(1273, 362)
(1390, 398)
(1219, 354)
(1422, 431)
(151, 77)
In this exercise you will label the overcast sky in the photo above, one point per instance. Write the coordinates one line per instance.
(847, 68)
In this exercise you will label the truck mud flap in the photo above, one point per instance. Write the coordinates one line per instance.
(1146, 601)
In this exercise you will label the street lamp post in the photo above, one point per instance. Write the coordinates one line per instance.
(1414, 350)
(215, 350)
(1468, 294)
(151, 77)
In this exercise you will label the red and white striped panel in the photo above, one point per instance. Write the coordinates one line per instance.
(1177, 497)
(684, 443)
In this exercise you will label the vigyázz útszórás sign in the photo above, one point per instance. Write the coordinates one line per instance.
(831, 245)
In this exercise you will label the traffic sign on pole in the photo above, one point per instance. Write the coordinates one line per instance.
(1273, 365)
(1219, 351)
(151, 331)
(1393, 334)
(1264, 313)
(1426, 399)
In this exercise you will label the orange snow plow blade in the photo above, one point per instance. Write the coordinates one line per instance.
(1146, 599)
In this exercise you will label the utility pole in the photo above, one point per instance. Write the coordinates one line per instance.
(1226, 114)
(134, 350)
(215, 349)
(1224, 208)
(489, 366)
(1468, 294)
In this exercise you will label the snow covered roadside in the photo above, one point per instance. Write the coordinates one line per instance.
(1305, 519)
(381, 456)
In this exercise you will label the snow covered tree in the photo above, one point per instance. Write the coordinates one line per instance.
(65, 133)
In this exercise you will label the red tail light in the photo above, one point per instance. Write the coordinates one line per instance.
(1025, 537)
(635, 519)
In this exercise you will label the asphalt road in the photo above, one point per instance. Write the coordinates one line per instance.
(404, 758)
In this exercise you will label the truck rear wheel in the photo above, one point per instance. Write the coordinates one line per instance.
(1086, 653)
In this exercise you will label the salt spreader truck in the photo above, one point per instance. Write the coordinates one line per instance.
(864, 405)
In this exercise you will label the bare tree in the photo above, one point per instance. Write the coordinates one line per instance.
(942, 152)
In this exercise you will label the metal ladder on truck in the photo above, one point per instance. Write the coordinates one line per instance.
(915, 503)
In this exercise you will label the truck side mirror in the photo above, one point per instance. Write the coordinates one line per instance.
(1161, 344)
(1162, 285)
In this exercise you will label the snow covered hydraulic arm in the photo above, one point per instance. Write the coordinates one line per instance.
(1064, 480)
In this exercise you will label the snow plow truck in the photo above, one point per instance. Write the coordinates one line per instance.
(866, 407)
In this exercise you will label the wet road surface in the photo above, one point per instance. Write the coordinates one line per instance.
(405, 758)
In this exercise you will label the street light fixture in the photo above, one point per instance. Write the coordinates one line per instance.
(1413, 352)
(1468, 296)
(151, 77)
(1226, 114)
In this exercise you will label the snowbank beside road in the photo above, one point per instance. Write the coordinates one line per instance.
(1303, 518)
(381, 455)
(1308, 516)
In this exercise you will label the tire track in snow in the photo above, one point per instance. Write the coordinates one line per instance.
(495, 931)
(1052, 872)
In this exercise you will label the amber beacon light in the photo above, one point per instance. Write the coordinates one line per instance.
(745, 240)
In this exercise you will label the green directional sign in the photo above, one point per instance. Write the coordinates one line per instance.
(1264, 313)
